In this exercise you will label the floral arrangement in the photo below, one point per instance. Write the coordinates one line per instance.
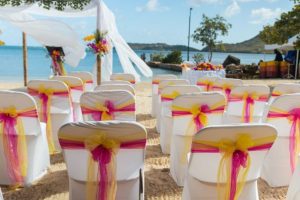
(98, 43)
(57, 57)
(203, 66)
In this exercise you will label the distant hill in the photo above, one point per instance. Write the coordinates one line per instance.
(160, 47)
(254, 45)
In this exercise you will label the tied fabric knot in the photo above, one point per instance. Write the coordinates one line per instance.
(199, 115)
(44, 95)
(208, 84)
(103, 151)
(106, 111)
(294, 146)
(249, 100)
(227, 89)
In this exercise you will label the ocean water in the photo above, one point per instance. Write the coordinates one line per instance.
(11, 62)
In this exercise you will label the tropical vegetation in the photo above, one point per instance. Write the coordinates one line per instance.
(209, 31)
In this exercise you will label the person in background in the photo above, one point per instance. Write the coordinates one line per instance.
(278, 56)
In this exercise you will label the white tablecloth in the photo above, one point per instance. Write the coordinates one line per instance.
(193, 75)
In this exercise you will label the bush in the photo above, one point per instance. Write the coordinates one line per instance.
(157, 57)
(198, 58)
(175, 57)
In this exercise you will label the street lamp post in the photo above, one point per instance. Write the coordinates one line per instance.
(189, 36)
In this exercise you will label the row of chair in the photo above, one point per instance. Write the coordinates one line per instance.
(182, 110)
(53, 102)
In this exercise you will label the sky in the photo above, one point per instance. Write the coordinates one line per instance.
(166, 21)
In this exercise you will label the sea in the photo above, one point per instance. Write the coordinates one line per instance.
(11, 62)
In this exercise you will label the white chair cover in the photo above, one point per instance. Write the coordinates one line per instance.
(130, 162)
(277, 167)
(36, 140)
(1, 196)
(207, 83)
(87, 79)
(161, 86)
(118, 98)
(76, 88)
(235, 112)
(184, 129)
(155, 81)
(125, 87)
(202, 177)
(166, 115)
(284, 88)
(294, 188)
(60, 108)
(117, 82)
(222, 84)
(123, 77)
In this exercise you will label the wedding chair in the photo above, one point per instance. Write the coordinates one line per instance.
(24, 151)
(168, 94)
(284, 114)
(1, 196)
(207, 83)
(123, 77)
(294, 187)
(117, 82)
(54, 107)
(115, 150)
(108, 105)
(125, 87)
(76, 88)
(161, 86)
(190, 113)
(155, 82)
(225, 161)
(225, 85)
(246, 104)
(284, 88)
(87, 79)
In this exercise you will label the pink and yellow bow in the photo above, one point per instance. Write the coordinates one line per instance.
(249, 101)
(170, 97)
(226, 88)
(207, 84)
(235, 162)
(199, 113)
(155, 82)
(45, 96)
(14, 141)
(106, 111)
(294, 118)
(103, 152)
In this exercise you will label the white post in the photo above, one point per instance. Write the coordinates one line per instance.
(297, 64)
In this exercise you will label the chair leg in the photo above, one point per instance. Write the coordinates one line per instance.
(141, 188)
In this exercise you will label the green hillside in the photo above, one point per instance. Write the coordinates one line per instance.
(254, 45)
(159, 47)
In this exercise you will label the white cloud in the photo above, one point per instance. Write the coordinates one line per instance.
(198, 2)
(264, 15)
(152, 5)
(232, 9)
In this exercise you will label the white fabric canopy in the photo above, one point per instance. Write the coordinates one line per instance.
(63, 35)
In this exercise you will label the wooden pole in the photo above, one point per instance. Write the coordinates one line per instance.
(25, 62)
(98, 69)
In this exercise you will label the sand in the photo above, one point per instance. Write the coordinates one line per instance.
(158, 183)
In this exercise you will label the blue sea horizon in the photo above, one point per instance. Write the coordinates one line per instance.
(11, 62)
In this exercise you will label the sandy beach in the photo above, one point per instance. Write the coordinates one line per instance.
(158, 183)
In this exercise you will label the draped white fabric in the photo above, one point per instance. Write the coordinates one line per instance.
(42, 31)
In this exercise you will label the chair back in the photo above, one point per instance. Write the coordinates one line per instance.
(192, 112)
(207, 152)
(87, 79)
(284, 88)
(225, 85)
(125, 87)
(207, 83)
(108, 105)
(246, 104)
(116, 82)
(157, 79)
(122, 132)
(75, 85)
(123, 77)
(171, 82)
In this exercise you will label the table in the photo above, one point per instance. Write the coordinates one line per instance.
(193, 75)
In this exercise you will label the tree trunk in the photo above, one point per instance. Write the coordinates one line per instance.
(25, 63)
(98, 69)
